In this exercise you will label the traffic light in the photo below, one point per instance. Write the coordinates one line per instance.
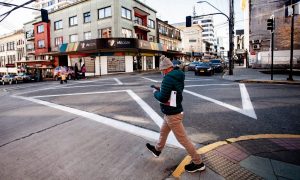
(270, 24)
(44, 14)
(188, 22)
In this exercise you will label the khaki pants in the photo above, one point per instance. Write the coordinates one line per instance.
(174, 123)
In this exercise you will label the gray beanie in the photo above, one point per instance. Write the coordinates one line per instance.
(165, 63)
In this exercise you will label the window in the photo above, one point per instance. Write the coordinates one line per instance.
(41, 43)
(73, 21)
(50, 3)
(138, 20)
(104, 12)
(73, 38)
(1, 47)
(87, 35)
(40, 28)
(58, 41)
(10, 46)
(151, 38)
(126, 13)
(87, 17)
(126, 33)
(104, 33)
(58, 25)
(151, 24)
(193, 40)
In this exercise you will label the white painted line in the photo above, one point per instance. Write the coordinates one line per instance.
(242, 111)
(76, 94)
(118, 81)
(150, 79)
(141, 132)
(247, 104)
(153, 115)
(197, 80)
(209, 85)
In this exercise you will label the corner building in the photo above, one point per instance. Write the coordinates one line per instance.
(108, 36)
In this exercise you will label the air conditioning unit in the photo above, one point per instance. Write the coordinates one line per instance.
(256, 46)
(256, 41)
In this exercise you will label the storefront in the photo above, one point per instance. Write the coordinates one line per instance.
(113, 55)
(42, 69)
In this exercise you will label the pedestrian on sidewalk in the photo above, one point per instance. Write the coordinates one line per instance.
(83, 70)
(63, 75)
(173, 115)
(76, 72)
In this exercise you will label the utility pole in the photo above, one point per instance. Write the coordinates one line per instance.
(290, 78)
(271, 27)
(231, 33)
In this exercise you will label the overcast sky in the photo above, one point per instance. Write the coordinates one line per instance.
(173, 11)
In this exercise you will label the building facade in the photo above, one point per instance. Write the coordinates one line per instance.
(51, 5)
(192, 41)
(260, 37)
(107, 36)
(208, 34)
(12, 50)
(171, 37)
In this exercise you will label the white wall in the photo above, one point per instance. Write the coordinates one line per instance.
(128, 64)
(97, 66)
(103, 65)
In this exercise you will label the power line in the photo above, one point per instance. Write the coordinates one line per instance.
(13, 9)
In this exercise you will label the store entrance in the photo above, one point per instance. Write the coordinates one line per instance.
(63, 60)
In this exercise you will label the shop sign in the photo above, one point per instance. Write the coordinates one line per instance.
(72, 47)
(10, 65)
(109, 43)
(87, 45)
(63, 47)
(144, 44)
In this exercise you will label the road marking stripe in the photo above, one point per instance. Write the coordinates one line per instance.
(118, 81)
(76, 94)
(210, 85)
(150, 79)
(247, 104)
(141, 132)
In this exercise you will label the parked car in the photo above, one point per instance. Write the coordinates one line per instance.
(9, 79)
(204, 68)
(23, 77)
(59, 69)
(192, 65)
(217, 65)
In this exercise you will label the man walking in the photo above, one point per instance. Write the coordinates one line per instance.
(173, 116)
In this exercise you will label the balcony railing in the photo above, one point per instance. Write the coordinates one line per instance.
(141, 25)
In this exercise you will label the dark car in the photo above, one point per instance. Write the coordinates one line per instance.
(204, 68)
(192, 65)
(217, 65)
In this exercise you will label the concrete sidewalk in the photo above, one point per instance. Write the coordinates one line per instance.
(248, 157)
(249, 75)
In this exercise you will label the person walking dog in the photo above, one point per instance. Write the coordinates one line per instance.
(173, 85)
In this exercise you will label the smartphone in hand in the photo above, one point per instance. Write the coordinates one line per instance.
(155, 87)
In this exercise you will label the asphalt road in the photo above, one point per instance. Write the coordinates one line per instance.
(40, 122)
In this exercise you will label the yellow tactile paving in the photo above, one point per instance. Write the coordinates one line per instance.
(180, 168)
(261, 136)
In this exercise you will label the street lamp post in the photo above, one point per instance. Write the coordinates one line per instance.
(231, 29)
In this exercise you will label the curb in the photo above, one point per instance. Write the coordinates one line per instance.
(269, 81)
(180, 168)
